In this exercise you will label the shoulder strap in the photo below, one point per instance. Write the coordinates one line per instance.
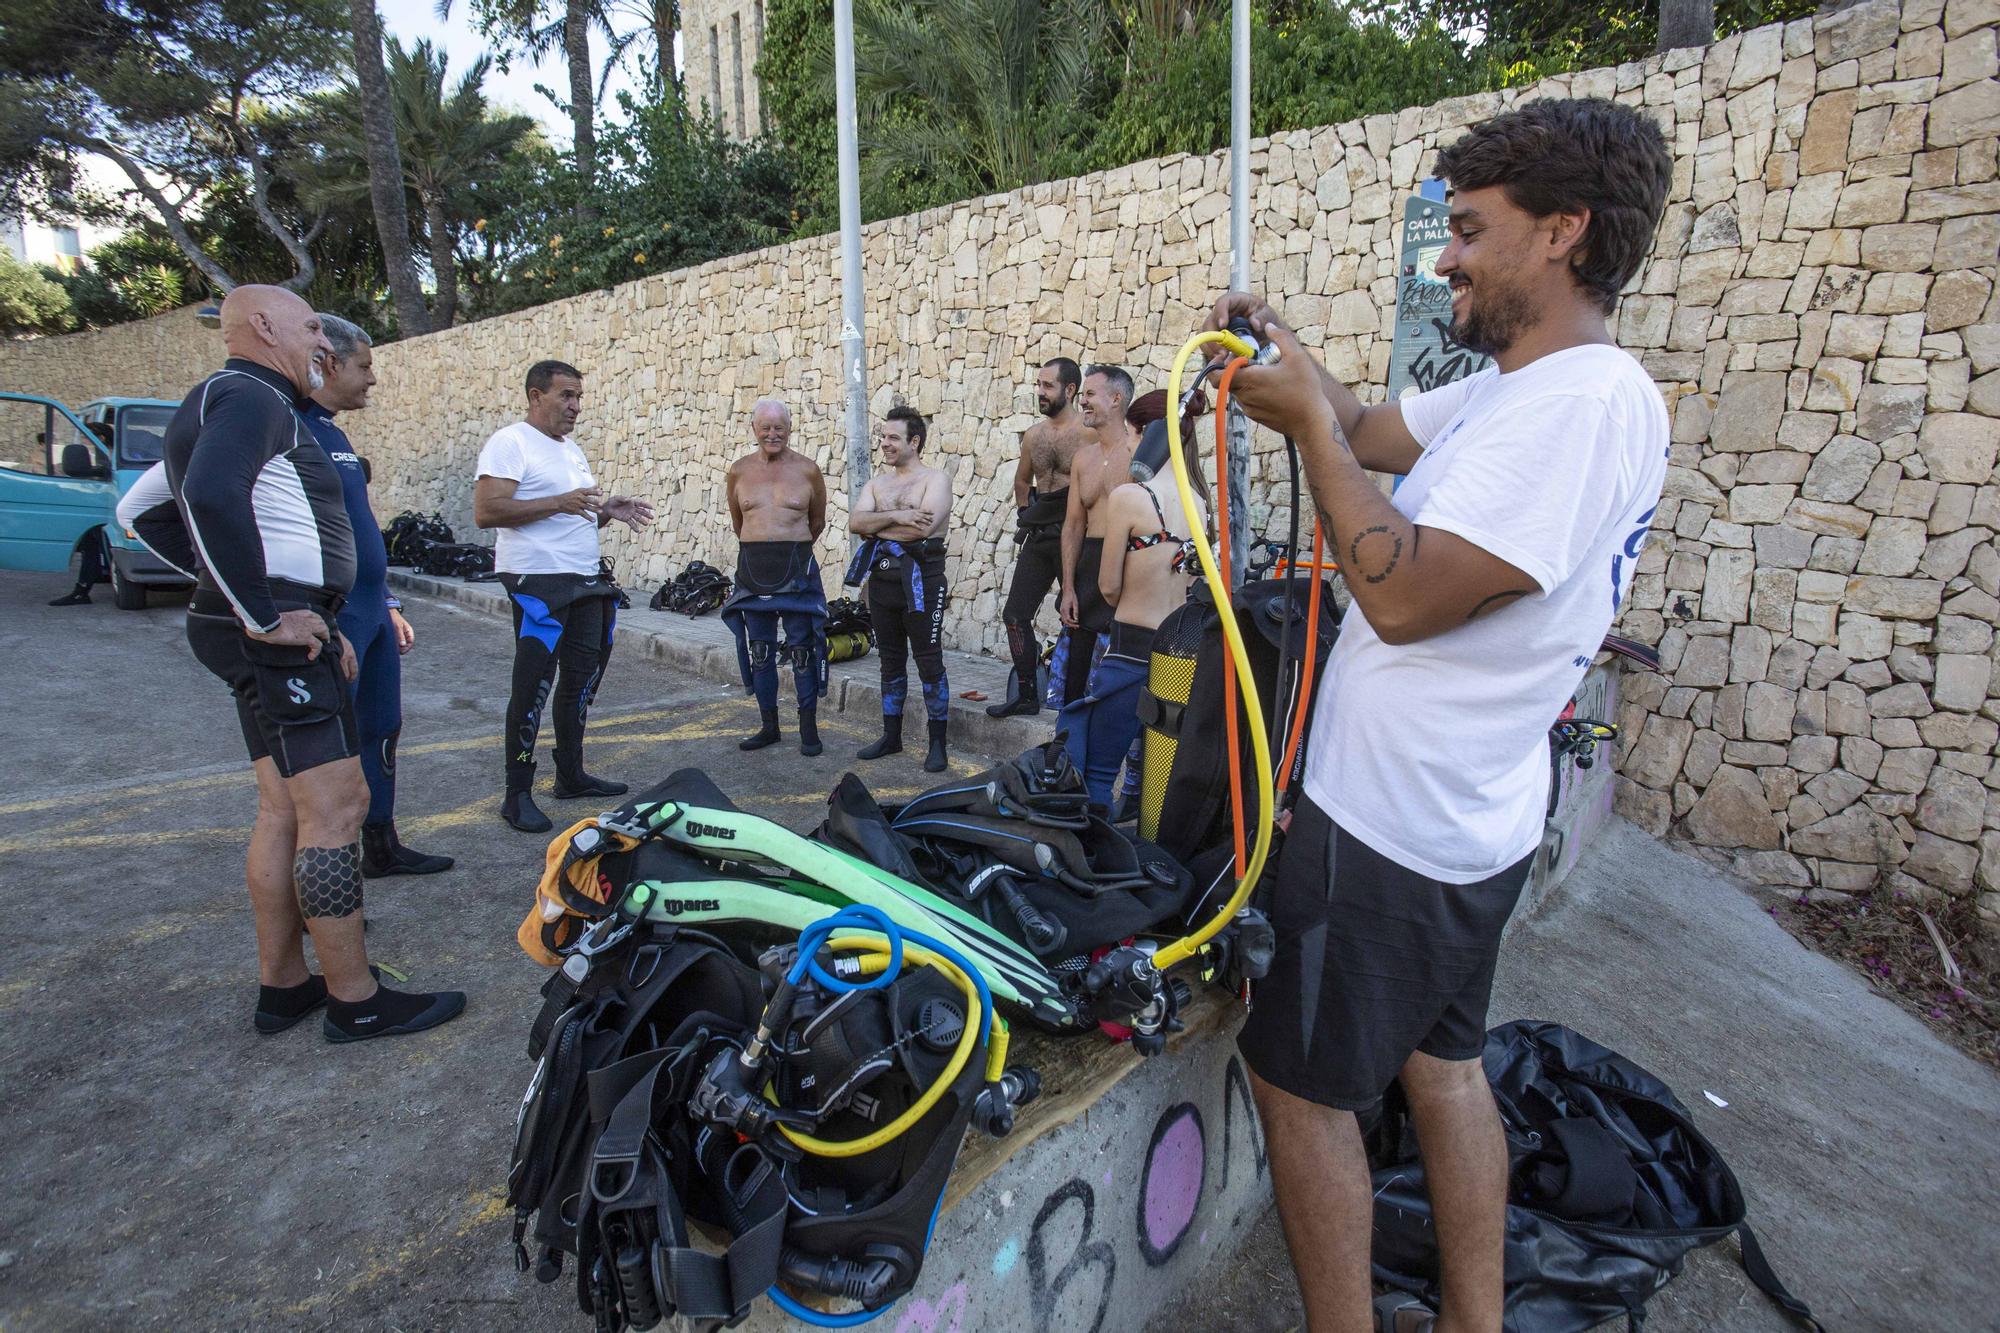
(1758, 1269)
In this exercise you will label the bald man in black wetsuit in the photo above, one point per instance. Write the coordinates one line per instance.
(266, 522)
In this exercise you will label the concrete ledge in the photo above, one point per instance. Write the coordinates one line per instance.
(704, 646)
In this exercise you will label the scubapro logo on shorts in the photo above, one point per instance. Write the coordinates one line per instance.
(697, 829)
(297, 689)
(677, 906)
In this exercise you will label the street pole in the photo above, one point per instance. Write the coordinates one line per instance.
(853, 350)
(1238, 461)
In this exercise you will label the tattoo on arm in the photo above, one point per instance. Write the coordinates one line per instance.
(1377, 568)
(1496, 601)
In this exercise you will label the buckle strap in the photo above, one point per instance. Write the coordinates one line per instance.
(1161, 715)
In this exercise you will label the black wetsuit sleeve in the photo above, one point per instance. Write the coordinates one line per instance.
(148, 511)
(237, 436)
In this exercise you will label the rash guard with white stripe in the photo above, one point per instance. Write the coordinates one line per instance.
(261, 499)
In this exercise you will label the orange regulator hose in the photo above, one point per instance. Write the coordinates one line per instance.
(1222, 551)
(1304, 702)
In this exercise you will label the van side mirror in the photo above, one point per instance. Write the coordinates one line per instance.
(80, 460)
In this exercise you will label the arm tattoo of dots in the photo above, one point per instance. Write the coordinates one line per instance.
(1395, 553)
(328, 880)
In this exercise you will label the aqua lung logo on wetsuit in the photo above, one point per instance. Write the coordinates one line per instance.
(697, 829)
(678, 906)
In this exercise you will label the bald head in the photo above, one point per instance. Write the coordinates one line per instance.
(277, 329)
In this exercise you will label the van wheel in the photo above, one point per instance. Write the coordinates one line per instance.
(128, 595)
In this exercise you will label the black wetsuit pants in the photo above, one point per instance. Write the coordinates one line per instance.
(902, 633)
(566, 647)
(1037, 568)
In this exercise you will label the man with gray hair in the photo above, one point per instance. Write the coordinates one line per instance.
(372, 619)
(777, 505)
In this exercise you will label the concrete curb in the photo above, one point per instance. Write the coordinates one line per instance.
(703, 646)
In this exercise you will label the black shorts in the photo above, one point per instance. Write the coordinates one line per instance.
(296, 713)
(1374, 961)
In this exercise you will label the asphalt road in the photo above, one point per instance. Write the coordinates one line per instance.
(165, 1166)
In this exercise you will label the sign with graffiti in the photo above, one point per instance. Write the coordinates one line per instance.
(1425, 354)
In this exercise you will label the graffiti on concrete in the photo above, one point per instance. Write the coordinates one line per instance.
(944, 1315)
(1085, 1255)
(1170, 1190)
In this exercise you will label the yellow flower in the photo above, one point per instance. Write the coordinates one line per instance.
(610, 230)
(555, 241)
(639, 258)
(479, 225)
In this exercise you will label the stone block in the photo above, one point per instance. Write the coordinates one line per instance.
(1704, 753)
(1655, 761)
(1847, 709)
(1901, 247)
(1840, 470)
(1967, 242)
(1867, 202)
(1725, 593)
(1952, 806)
(1893, 546)
(1767, 712)
(1733, 812)
(1942, 863)
(1835, 790)
(1705, 663)
(1860, 637)
(1960, 447)
(1884, 411)
(1827, 519)
(1651, 810)
(1957, 299)
(1812, 755)
(1906, 770)
(1963, 680)
(1857, 834)
(1893, 598)
(1965, 114)
(1905, 700)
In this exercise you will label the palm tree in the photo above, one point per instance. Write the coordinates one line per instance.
(385, 168)
(451, 141)
(964, 92)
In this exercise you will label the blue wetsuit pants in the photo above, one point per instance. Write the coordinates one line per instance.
(378, 700)
(800, 648)
(1102, 725)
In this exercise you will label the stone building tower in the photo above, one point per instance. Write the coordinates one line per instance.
(721, 41)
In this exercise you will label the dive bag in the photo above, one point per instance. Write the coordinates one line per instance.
(850, 633)
(695, 591)
(1610, 1187)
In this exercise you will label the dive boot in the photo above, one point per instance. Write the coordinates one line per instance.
(891, 741)
(77, 596)
(809, 733)
(520, 810)
(766, 735)
(389, 1013)
(383, 854)
(279, 1008)
(583, 784)
(934, 762)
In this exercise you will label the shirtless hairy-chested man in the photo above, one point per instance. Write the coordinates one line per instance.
(1041, 499)
(1148, 564)
(1095, 470)
(777, 504)
(902, 512)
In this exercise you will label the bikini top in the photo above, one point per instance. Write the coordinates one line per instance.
(1146, 541)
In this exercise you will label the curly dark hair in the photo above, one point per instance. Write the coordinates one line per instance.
(913, 423)
(1555, 156)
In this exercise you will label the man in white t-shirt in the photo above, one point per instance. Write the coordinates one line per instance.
(1482, 589)
(535, 487)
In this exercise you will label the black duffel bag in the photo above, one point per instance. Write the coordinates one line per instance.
(1610, 1187)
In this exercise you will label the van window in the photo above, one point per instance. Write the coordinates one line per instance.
(141, 429)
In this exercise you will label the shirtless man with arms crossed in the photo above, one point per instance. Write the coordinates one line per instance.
(1096, 469)
(777, 505)
(1041, 500)
(902, 513)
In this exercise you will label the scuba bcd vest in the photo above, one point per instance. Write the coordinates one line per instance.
(1184, 792)
(695, 591)
(850, 633)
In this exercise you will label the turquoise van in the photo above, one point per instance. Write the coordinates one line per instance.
(61, 476)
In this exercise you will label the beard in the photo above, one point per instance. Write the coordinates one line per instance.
(1049, 409)
(1493, 320)
(315, 379)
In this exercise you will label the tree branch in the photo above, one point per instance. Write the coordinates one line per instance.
(260, 202)
(170, 214)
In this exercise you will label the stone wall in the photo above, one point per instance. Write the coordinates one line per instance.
(150, 358)
(1818, 311)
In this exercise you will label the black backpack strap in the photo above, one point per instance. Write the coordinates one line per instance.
(1765, 1278)
(706, 1286)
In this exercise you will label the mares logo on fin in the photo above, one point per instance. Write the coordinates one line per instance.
(696, 829)
(676, 906)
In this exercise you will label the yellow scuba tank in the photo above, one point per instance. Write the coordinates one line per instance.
(846, 646)
(1169, 685)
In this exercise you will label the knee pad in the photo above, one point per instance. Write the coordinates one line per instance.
(761, 653)
(802, 656)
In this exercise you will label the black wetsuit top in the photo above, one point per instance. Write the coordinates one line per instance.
(262, 501)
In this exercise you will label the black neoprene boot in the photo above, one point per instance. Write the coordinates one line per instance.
(766, 735)
(809, 733)
(1023, 699)
(1022, 702)
(77, 596)
(383, 853)
(891, 741)
(519, 809)
(934, 761)
(581, 784)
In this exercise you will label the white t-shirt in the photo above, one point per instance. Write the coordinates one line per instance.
(1435, 753)
(560, 543)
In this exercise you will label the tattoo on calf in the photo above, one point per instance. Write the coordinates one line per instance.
(1494, 602)
(328, 880)
(1387, 565)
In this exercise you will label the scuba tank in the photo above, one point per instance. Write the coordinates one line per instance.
(1184, 797)
(850, 634)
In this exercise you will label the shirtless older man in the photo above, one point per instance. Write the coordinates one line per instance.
(777, 504)
(902, 512)
(1041, 500)
(1096, 470)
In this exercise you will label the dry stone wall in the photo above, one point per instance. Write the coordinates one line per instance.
(1819, 312)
